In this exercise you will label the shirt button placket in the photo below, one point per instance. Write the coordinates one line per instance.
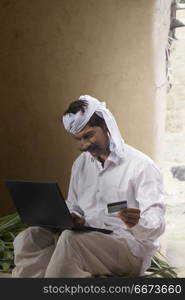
(98, 190)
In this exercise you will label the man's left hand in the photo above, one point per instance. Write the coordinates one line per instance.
(130, 216)
(77, 219)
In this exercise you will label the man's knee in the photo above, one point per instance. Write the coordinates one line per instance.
(32, 239)
(69, 236)
(20, 239)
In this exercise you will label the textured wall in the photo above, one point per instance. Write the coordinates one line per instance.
(161, 24)
(53, 51)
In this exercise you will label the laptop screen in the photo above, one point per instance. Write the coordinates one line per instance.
(40, 203)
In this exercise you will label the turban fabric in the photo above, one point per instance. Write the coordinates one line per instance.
(74, 123)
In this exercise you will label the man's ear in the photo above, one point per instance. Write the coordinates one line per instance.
(107, 131)
(104, 127)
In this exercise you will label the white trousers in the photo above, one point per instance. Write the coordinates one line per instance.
(41, 253)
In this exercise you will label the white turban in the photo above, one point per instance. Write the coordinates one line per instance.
(74, 123)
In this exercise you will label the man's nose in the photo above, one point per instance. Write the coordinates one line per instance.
(84, 144)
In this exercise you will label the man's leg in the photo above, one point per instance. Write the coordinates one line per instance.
(84, 254)
(33, 249)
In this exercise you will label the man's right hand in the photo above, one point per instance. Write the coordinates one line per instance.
(130, 216)
(77, 219)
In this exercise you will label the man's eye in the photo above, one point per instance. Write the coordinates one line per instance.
(84, 137)
(88, 136)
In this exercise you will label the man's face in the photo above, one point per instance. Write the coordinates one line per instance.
(93, 139)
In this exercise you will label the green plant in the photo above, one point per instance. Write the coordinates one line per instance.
(10, 226)
(160, 268)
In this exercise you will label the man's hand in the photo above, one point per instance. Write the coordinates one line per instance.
(130, 216)
(77, 219)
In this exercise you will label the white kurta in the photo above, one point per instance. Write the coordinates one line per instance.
(135, 178)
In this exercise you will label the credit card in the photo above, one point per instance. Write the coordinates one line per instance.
(116, 206)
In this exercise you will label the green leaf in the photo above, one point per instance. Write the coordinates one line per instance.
(6, 266)
(10, 226)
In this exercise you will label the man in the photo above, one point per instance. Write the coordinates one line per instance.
(107, 171)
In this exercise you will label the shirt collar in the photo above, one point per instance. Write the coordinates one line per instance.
(112, 158)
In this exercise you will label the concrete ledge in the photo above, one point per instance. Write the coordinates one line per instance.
(5, 275)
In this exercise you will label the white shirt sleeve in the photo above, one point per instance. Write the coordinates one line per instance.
(72, 199)
(149, 195)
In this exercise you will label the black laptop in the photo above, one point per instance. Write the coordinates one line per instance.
(42, 204)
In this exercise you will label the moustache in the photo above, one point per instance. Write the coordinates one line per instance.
(90, 149)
